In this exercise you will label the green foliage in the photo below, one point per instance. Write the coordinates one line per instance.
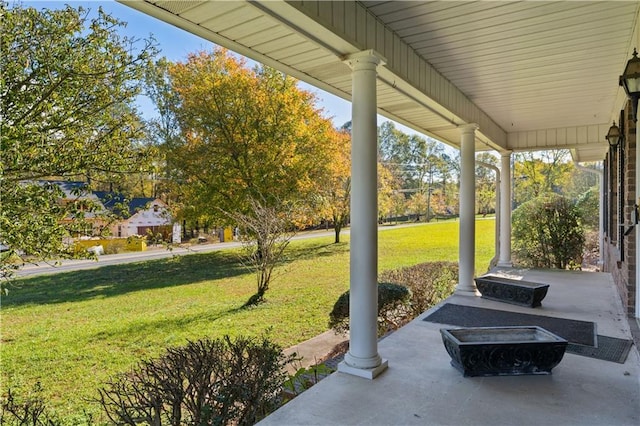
(588, 204)
(403, 294)
(486, 183)
(206, 382)
(56, 328)
(392, 300)
(429, 283)
(25, 227)
(154, 238)
(67, 92)
(413, 160)
(547, 233)
(243, 134)
(541, 172)
(544, 172)
(304, 378)
(416, 164)
(582, 181)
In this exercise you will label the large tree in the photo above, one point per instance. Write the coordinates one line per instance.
(246, 134)
(248, 137)
(397, 154)
(391, 201)
(538, 173)
(335, 190)
(67, 88)
(486, 183)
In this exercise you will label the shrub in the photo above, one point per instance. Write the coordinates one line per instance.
(304, 378)
(28, 410)
(588, 204)
(392, 302)
(114, 246)
(429, 283)
(547, 232)
(207, 382)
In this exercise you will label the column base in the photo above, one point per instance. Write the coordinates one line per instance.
(467, 292)
(366, 373)
(502, 264)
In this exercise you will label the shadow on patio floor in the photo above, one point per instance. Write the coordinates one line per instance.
(421, 387)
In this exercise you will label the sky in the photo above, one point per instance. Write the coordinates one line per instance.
(175, 44)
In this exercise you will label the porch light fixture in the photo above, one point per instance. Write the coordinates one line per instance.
(630, 81)
(613, 136)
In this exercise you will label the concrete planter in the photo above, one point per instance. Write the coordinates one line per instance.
(517, 292)
(503, 351)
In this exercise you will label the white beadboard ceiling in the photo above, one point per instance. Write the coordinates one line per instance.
(532, 74)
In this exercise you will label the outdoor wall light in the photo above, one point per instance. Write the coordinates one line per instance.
(630, 81)
(613, 136)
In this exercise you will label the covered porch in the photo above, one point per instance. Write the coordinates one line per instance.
(479, 76)
(421, 387)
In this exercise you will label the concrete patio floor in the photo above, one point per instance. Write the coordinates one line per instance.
(420, 386)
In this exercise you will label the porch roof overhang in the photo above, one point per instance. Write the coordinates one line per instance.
(532, 75)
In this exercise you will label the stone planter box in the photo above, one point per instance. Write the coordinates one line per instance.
(503, 351)
(517, 292)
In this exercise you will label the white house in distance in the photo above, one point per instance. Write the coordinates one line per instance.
(137, 216)
(124, 217)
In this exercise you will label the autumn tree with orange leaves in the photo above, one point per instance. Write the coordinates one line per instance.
(246, 134)
(247, 137)
(335, 192)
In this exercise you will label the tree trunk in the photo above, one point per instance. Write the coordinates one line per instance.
(337, 228)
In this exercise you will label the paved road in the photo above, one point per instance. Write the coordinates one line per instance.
(43, 268)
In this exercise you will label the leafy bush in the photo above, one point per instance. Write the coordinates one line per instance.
(154, 239)
(304, 378)
(429, 283)
(207, 382)
(547, 232)
(392, 304)
(588, 205)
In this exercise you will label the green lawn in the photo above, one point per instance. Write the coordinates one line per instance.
(73, 331)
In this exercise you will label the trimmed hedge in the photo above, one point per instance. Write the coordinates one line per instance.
(403, 294)
(392, 302)
(429, 283)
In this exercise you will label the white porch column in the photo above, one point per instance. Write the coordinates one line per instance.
(363, 359)
(505, 211)
(467, 237)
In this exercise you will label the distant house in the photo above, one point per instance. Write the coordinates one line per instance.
(136, 216)
(123, 217)
(75, 192)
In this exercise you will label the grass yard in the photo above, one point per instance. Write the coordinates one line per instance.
(72, 331)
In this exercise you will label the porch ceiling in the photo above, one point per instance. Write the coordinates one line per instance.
(533, 75)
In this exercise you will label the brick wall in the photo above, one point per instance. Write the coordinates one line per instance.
(632, 197)
(620, 253)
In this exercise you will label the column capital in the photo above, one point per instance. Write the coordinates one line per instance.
(364, 59)
(506, 153)
(468, 128)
